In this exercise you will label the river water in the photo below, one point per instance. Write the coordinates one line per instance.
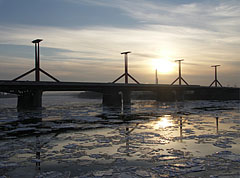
(73, 137)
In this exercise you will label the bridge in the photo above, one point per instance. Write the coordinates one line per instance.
(30, 92)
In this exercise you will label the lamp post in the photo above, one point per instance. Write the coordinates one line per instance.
(126, 65)
(180, 79)
(179, 71)
(156, 76)
(126, 74)
(216, 82)
(37, 59)
(37, 68)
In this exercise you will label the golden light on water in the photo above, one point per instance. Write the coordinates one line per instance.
(163, 122)
(163, 65)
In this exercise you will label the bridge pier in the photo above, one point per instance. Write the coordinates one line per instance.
(170, 94)
(126, 97)
(165, 95)
(180, 95)
(30, 100)
(112, 99)
(116, 98)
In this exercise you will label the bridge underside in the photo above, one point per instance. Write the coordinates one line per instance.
(30, 93)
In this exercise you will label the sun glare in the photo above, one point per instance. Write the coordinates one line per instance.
(163, 65)
(162, 123)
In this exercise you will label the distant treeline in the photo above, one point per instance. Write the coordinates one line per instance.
(139, 95)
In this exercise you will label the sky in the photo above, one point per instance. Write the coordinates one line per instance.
(83, 39)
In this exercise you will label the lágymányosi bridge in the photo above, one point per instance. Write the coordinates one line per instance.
(30, 92)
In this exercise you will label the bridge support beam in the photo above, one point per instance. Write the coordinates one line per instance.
(30, 100)
(112, 99)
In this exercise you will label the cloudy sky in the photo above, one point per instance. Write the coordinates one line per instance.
(83, 39)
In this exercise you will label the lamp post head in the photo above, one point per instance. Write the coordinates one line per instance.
(215, 65)
(37, 41)
(126, 52)
(179, 60)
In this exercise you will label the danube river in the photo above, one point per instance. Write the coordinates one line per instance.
(73, 137)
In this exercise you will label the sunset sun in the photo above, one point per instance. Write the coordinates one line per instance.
(163, 65)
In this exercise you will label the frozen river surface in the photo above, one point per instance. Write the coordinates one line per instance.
(74, 137)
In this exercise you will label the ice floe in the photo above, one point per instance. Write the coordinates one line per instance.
(89, 141)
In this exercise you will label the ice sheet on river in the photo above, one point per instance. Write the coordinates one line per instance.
(149, 140)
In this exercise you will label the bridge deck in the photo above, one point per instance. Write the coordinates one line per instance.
(33, 90)
(84, 86)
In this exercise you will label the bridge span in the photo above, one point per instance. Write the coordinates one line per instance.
(30, 92)
(18, 86)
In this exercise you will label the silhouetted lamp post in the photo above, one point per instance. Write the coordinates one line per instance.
(126, 74)
(37, 68)
(180, 74)
(37, 59)
(156, 75)
(216, 80)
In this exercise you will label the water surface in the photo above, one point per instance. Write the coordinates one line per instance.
(73, 137)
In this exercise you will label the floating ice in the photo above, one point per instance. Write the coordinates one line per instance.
(54, 174)
(120, 161)
(96, 156)
(90, 119)
(104, 140)
(228, 155)
(164, 157)
(108, 172)
(175, 152)
(27, 129)
(6, 165)
(181, 165)
(224, 143)
(195, 169)
(36, 160)
(143, 173)
(71, 146)
(189, 131)
(127, 147)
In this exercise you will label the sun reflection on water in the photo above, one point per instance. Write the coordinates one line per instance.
(163, 122)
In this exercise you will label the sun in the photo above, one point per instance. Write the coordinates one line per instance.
(163, 65)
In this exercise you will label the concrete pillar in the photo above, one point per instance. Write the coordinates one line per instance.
(30, 100)
(165, 95)
(112, 99)
(116, 98)
(126, 96)
(180, 95)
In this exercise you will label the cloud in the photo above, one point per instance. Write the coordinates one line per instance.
(203, 13)
(213, 16)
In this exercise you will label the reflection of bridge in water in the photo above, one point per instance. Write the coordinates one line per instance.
(30, 92)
